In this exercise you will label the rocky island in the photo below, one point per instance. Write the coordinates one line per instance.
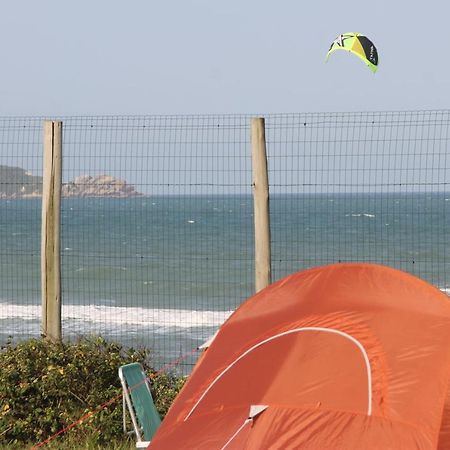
(99, 186)
(16, 183)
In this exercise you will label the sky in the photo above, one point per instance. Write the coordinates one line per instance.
(95, 57)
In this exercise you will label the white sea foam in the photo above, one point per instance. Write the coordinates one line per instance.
(167, 318)
(361, 215)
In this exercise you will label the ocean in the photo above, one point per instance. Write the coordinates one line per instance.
(165, 271)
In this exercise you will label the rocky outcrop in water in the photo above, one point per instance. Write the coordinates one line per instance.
(18, 183)
(99, 186)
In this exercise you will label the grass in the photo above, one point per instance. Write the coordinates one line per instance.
(69, 443)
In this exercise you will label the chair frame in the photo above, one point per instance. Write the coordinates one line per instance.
(128, 405)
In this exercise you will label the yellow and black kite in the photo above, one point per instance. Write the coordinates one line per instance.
(359, 45)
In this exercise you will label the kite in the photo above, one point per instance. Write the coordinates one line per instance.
(359, 45)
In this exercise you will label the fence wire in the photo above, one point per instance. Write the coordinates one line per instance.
(20, 220)
(166, 263)
(368, 187)
(157, 214)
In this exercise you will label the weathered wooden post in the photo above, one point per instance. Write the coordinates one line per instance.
(50, 237)
(263, 271)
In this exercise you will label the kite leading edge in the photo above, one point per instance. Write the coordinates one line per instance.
(359, 45)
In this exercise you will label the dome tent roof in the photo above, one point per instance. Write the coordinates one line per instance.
(345, 356)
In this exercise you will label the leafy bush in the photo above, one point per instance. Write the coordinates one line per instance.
(45, 387)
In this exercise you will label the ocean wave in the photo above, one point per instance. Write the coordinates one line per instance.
(165, 318)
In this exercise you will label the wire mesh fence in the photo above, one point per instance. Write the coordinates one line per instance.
(164, 263)
(157, 214)
(20, 219)
(361, 187)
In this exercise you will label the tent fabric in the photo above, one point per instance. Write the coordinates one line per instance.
(345, 356)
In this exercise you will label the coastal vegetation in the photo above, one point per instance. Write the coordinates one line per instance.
(46, 388)
(18, 183)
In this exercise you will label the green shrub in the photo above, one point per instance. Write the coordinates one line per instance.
(45, 387)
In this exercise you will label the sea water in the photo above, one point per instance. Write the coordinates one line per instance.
(164, 272)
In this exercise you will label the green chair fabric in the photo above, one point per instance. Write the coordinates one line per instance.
(139, 401)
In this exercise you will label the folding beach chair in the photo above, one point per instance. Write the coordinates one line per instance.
(137, 398)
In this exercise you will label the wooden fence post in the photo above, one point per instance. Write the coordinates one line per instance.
(263, 271)
(50, 236)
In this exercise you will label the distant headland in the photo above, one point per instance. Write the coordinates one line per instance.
(17, 183)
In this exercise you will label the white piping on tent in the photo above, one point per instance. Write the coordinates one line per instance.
(297, 330)
(255, 410)
(246, 421)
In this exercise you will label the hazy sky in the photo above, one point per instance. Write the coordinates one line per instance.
(90, 57)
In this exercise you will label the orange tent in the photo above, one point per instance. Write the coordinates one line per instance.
(346, 356)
